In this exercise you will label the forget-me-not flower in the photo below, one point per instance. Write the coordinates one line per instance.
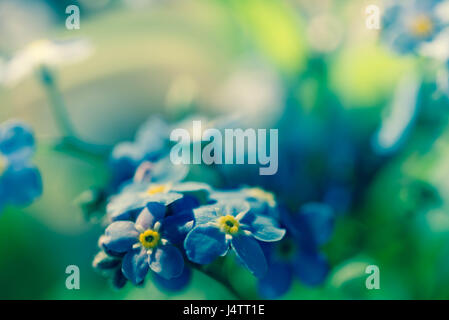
(409, 24)
(261, 201)
(298, 254)
(20, 181)
(226, 225)
(146, 245)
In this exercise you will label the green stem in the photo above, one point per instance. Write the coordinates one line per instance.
(70, 141)
(56, 102)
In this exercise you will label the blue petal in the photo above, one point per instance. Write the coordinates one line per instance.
(135, 265)
(277, 281)
(205, 243)
(152, 213)
(120, 236)
(175, 284)
(176, 227)
(250, 253)
(124, 160)
(316, 221)
(164, 198)
(264, 229)
(167, 262)
(16, 141)
(21, 185)
(234, 207)
(311, 268)
(125, 206)
(185, 203)
(205, 214)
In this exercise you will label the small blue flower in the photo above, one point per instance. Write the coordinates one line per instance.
(20, 181)
(221, 226)
(299, 253)
(145, 245)
(135, 196)
(150, 144)
(409, 24)
(261, 201)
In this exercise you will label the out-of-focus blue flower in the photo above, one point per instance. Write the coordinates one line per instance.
(146, 245)
(409, 24)
(20, 181)
(229, 224)
(177, 197)
(261, 201)
(150, 144)
(299, 253)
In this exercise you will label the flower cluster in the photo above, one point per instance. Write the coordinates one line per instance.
(156, 226)
(160, 224)
(20, 181)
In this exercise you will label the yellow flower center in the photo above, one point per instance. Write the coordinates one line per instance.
(228, 224)
(263, 195)
(422, 26)
(3, 164)
(149, 239)
(158, 188)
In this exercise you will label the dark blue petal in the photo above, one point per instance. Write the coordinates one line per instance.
(152, 213)
(21, 185)
(311, 268)
(176, 227)
(250, 253)
(120, 236)
(135, 265)
(277, 281)
(316, 221)
(175, 284)
(167, 261)
(185, 203)
(124, 160)
(205, 243)
(16, 141)
(264, 229)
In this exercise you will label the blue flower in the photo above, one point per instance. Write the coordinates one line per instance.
(135, 196)
(145, 245)
(299, 253)
(20, 181)
(110, 265)
(407, 25)
(150, 144)
(261, 201)
(221, 226)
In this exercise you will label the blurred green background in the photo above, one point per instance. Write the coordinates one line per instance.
(158, 56)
